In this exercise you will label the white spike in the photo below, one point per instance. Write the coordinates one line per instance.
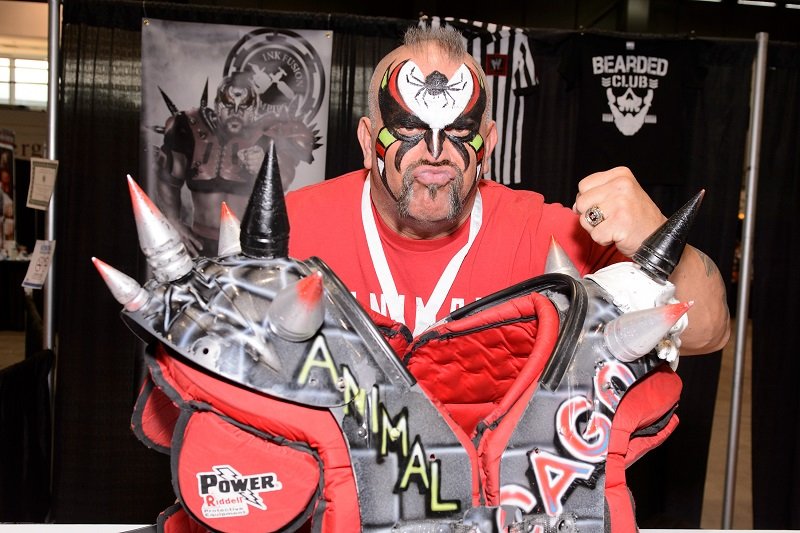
(124, 288)
(633, 335)
(160, 242)
(297, 312)
(558, 262)
(229, 228)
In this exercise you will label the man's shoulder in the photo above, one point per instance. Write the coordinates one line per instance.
(525, 211)
(323, 216)
(497, 194)
(325, 202)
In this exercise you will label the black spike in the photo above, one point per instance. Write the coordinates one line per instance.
(204, 97)
(173, 109)
(265, 225)
(660, 252)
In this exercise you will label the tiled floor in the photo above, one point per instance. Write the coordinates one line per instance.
(717, 460)
(12, 347)
(12, 344)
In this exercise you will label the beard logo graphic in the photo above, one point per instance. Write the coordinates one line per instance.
(629, 111)
(630, 82)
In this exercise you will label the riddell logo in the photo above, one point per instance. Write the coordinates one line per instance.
(226, 492)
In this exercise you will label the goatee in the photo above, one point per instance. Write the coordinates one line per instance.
(453, 188)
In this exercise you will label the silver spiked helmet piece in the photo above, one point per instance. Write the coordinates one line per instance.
(558, 262)
(240, 315)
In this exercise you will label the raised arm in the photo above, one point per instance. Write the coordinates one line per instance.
(629, 216)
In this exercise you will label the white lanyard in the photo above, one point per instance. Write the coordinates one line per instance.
(426, 313)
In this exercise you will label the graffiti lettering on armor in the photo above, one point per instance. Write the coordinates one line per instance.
(591, 444)
(555, 476)
(318, 356)
(584, 432)
(427, 475)
(611, 379)
(392, 430)
(512, 495)
(390, 433)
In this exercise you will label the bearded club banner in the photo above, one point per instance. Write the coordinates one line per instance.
(635, 97)
(214, 97)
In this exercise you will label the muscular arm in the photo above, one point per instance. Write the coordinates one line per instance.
(630, 217)
(168, 199)
(697, 278)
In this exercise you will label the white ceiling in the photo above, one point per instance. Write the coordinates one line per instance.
(23, 29)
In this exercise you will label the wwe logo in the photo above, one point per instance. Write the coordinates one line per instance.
(496, 65)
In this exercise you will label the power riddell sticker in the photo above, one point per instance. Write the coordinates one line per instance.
(226, 492)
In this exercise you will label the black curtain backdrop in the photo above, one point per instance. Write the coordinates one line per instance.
(776, 400)
(101, 472)
(667, 483)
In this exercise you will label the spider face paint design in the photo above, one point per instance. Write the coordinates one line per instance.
(433, 108)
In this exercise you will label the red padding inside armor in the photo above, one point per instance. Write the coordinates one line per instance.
(175, 520)
(299, 423)
(646, 402)
(233, 480)
(154, 417)
(502, 421)
(482, 363)
(396, 334)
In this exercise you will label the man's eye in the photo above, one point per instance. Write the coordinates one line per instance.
(455, 132)
(410, 132)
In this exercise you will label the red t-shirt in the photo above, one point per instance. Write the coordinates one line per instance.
(510, 247)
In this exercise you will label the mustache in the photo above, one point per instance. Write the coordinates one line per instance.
(425, 163)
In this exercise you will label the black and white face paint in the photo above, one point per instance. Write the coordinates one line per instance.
(433, 108)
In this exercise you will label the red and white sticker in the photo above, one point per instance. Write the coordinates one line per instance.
(226, 492)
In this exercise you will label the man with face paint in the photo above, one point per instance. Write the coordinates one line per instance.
(216, 152)
(202, 150)
(418, 233)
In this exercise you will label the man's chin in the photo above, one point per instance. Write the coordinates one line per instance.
(435, 211)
